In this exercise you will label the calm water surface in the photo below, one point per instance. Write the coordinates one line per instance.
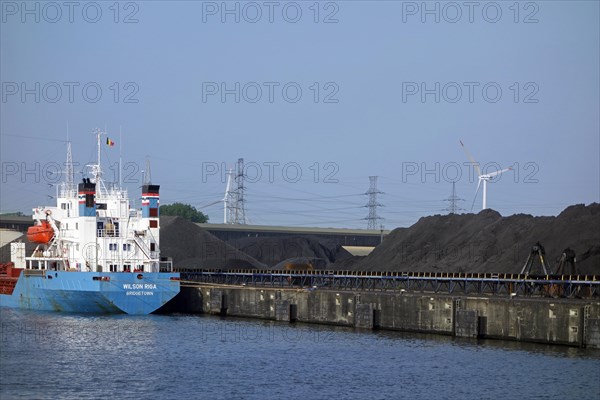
(49, 355)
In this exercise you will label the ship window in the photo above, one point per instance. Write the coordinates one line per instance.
(127, 268)
(101, 206)
(112, 246)
(126, 247)
(152, 246)
(140, 268)
(113, 268)
(153, 223)
(63, 206)
(77, 227)
(154, 212)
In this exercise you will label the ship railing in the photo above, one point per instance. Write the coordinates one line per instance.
(34, 272)
(146, 250)
(153, 253)
(114, 190)
(115, 232)
(135, 213)
(165, 266)
(66, 192)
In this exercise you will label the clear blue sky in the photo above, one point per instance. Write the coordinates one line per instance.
(370, 61)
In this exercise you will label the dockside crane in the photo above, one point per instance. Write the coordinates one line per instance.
(566, 263)
(537, 251)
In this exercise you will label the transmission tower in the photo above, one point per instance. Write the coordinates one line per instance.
(453, 207)
(240, 209)
(230, 199)
(372, 218)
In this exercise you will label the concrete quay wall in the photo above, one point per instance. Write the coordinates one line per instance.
(569, 322)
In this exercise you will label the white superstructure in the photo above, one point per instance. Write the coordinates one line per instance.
(93, 227)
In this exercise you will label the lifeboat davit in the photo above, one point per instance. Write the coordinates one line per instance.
(40, 233)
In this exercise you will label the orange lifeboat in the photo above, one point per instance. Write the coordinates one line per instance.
(40, 233)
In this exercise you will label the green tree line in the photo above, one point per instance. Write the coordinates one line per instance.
(183, 210)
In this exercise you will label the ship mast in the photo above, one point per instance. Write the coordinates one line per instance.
(70, 183)
(98, 133)
(96, 169)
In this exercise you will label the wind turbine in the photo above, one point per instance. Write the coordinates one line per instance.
(482, 177)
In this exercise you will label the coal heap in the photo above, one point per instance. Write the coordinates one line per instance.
(192, 247)
(272, 251)
(488, 242)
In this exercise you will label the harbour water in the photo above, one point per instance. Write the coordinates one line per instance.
(53, 355)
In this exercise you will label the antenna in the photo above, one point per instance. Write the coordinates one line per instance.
(482, 177)
(453, 207)
(70, 183)
(372, 218)
(147, 172)
(97, 168)
(98, 132)
(120, 158)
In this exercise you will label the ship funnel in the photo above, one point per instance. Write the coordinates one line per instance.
(87, 198)
(150, 201)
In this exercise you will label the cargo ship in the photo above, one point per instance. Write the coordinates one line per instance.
(93, 252)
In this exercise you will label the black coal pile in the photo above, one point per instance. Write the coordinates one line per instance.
(488, 242)
(275, 250)
(300, 264)
(347, 263)
(192, 247)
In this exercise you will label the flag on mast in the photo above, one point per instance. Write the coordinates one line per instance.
(110, 142)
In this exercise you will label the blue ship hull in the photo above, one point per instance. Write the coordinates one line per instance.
(92, 292)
